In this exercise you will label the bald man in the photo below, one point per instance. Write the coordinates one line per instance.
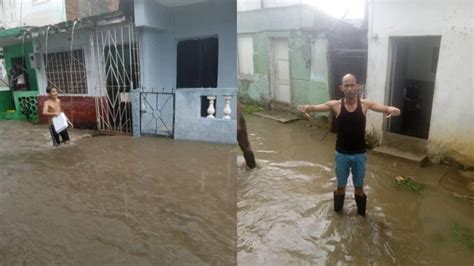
(351, 152)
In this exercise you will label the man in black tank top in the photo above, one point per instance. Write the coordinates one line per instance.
(351, 153)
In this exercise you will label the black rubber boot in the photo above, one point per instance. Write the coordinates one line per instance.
(361, 202)
(250, 159)
(338, 201)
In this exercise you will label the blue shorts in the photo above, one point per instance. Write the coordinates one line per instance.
(350, 162)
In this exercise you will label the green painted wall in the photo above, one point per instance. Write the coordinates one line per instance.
(5, 100)
(308, 86)
(16, 50)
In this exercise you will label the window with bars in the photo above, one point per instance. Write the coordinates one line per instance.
(67, 72)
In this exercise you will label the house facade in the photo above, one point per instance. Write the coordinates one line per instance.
(294, 55)
(188, 70)
(145, 67)
(423, 64)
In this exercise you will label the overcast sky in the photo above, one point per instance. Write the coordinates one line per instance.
(335, 8)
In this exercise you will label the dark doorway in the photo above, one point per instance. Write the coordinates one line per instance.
(412, 82)
(197, 63)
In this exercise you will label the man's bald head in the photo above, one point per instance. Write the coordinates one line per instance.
(349, 86)
(348, 77)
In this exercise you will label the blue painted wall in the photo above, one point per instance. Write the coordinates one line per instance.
(191, 126)
(160, 29)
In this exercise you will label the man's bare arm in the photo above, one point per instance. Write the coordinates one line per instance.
(377, 107)
(306, 109)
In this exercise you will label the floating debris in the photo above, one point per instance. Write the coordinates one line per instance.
(459, 196)
(409, 183)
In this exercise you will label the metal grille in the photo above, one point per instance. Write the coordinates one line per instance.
(116, 56)
(67, 72)
(29, 106)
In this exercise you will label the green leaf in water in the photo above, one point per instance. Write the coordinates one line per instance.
(409, 183)
(464, 235)
(250, 108)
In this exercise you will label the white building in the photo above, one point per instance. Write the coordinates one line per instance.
(421, 59)
(32, 13)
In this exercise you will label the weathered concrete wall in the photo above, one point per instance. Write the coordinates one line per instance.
(151, 14)
(286, 18)
(308, 56)
(309, 81)
(452, 122)
(27, 13)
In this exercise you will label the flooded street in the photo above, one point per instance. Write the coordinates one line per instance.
(285, 207)
(114, 200)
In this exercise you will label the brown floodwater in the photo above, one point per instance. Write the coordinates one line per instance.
(114, 200)
(285, 208)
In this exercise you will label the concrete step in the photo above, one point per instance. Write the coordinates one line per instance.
(280, 116)
(417, 158)
(404, 147)
(404, 143)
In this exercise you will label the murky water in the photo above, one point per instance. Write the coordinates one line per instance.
(285, 209)
(114, 200)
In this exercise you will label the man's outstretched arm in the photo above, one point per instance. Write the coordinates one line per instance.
(377, 107)
(306, 109)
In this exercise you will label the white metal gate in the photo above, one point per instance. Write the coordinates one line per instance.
(115, 53)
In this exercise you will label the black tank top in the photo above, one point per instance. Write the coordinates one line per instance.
(351, 130)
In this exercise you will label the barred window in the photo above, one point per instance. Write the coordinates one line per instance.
(67, 72)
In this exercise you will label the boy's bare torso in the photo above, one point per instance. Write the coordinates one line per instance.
(54, 106)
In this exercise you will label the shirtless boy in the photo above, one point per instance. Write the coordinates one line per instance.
(52, 108)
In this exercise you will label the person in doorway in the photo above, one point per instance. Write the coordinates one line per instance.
(242, 138)
(52, 108)
(18, 78)
(351, 152)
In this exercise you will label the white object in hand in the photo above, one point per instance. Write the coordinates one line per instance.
(60, 122)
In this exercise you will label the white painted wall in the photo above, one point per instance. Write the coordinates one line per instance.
(452, 116)
(32, 13)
